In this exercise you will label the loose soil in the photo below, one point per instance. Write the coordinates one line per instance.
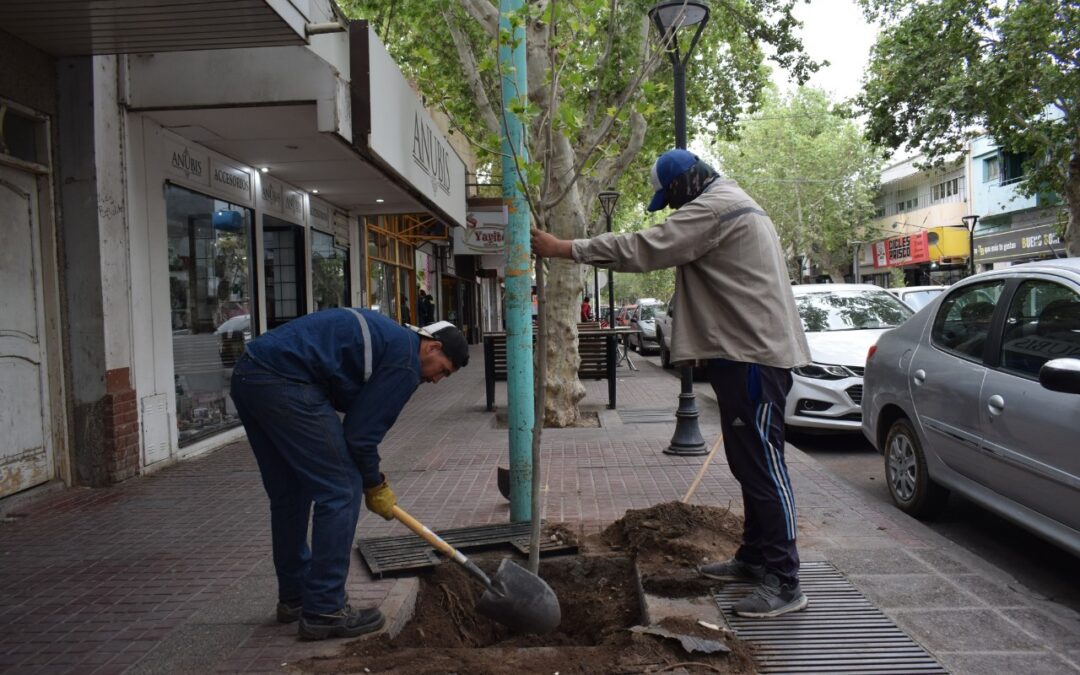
(599, 598)
(671, 539)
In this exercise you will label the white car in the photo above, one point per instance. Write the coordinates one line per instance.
(644, 319)
(841, 322)
(916, 297)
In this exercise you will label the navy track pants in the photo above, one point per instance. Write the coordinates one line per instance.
(752, 398)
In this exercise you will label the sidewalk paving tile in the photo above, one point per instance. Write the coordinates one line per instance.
(170, 571)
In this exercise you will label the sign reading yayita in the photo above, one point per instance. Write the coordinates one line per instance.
(484, 233)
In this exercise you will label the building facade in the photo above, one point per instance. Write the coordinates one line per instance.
(163, 201)
(918, 227)
(1012, 228)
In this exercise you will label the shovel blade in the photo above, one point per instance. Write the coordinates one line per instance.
(524, 602)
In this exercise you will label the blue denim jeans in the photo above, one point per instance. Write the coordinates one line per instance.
(299, 444)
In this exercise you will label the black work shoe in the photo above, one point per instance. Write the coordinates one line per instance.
(346, 622)
(732, 570)
(771, 599)
(287, 612)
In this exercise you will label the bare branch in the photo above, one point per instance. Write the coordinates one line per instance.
(485, 14)
(608, 169)
(601, 65)
(472, 74)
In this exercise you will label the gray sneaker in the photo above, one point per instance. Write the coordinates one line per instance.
(732, 570)
(771, 599)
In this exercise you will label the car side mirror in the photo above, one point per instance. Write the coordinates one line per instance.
(1061, 375)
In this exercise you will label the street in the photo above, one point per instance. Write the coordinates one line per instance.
(1040, 566)
(1035, 563)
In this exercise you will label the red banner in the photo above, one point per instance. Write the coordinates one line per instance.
(910, 249)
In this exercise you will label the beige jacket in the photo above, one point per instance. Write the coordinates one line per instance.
(733, 299)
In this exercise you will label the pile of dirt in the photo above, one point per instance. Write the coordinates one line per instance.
(599, 602)
(676, 533)
(670, 540)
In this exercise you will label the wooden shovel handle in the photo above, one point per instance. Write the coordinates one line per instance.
(701, 471)
(427, 535)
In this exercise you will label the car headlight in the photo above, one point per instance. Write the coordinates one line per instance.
(823, 371)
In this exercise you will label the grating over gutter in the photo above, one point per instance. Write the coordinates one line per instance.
(840, 631)
(395, 555)
(646, 416)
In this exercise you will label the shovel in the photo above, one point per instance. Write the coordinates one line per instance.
(514, 596)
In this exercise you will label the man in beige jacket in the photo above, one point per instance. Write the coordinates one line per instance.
(734, 309)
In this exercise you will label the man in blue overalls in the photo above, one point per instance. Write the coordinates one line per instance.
(289, 387)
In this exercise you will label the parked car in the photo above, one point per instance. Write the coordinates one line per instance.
(644, 319)
(662, 323)
(980, 394)
(916, 297)
(841, 322)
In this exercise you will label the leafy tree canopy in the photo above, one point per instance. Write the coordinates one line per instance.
(600, 80)
(809, 166)
(942, 68)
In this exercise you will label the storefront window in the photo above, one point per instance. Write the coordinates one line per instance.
(211, 298)
(283, 253)
(390, 269)
(328, 265)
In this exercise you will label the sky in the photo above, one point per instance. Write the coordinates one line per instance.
(836, 31)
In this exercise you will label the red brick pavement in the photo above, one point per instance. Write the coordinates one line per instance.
(170, 572)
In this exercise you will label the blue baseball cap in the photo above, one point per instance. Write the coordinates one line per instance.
(667, 168)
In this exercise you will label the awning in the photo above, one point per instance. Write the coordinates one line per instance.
(84, 27)
(280, 108)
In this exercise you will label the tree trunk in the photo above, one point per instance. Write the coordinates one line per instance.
(1072, 198)
(565, 220)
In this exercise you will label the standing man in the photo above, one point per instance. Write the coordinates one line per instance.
(733, 308)
(289, 387)
(586, 310)
(426, 308)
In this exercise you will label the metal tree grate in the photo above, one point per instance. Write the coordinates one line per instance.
(839, 632)
(394, 555)
(646, 416)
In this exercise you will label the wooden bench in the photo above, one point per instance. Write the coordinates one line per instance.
(597, 348)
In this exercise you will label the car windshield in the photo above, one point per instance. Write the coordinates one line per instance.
(652, 311)
(850, 310)
(919, 299)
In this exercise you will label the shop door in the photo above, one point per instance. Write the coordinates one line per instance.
(25, 450)
(286, 276)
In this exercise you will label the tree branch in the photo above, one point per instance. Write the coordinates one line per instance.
(601, 65)
(484, 14)
(472, 75)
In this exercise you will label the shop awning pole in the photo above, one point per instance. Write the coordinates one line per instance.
(519, 331)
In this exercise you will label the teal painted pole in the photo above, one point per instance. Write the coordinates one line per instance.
(519, 332)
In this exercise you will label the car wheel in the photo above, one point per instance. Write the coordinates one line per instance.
(912, 489)
(665, 355)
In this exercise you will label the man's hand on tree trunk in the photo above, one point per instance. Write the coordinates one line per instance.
(546, 245)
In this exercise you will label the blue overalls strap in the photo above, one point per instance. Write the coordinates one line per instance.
(367, 342)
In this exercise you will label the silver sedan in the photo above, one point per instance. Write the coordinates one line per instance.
(979, 393)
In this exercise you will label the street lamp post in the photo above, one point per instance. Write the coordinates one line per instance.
(971, 221)
(669, 17)
(595, 293)
(608, 199)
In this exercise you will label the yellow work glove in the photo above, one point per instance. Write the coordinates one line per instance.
(381, 499)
